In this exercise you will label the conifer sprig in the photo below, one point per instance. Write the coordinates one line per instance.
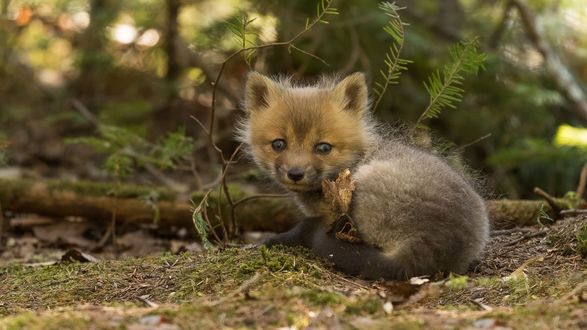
(394, 65)
(444, 85)
(244, 35)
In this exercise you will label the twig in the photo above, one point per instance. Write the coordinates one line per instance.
(356, 50)
(582, 182)
(498, 33)
(575, 292)
(234, 228)
(527, 236)
(85, 112)
(147, 302)
(245, 287)
(573, 212)
(563, 77)
(210, 130)
(500, 232)
(194, 170)
(288, 43)
(466, 145)
(482, 305)
(549, 199)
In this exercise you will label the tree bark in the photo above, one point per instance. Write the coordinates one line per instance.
(94, 202)
(562, 76)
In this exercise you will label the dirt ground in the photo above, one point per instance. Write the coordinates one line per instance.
(530, 278)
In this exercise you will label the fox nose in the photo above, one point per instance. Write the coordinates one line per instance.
(295, 174)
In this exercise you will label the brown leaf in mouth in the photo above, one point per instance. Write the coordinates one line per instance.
(338, 195)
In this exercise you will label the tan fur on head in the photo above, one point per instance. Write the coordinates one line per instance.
(258, 90)
(304, 116)
(353, 91)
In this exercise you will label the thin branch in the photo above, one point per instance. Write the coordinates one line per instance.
(309, 54)
(466, 145)
(85, 112)
(326, 9)
(526, 236)
(549, 199)
(573, 212)
(243, 288)
(499, 31)
(234, 228)
(566, 81)
(288, 43)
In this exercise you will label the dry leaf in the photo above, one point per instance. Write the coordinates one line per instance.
(338, 195)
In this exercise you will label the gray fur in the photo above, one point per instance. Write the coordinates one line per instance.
(416, 215)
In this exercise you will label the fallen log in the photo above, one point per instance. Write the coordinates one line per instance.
(97, 201)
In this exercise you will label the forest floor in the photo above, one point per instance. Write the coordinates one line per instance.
(530, 278)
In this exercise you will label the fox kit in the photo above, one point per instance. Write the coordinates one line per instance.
(414, 213)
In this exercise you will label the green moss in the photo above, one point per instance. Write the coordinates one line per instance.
(368, 305)
(321, 298)
(582, 241)
(409, 325)
(457, 282)
(489, 282)
(31, 321)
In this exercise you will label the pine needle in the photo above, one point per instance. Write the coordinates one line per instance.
(394, 65)
(444, 85)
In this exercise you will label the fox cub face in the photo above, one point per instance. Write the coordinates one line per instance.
(302, 135)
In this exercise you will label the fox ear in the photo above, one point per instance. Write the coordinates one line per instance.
(353, 91)
(258, 90)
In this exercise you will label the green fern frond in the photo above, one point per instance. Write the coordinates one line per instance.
(394, 65)
(243, 34)
(444, 85)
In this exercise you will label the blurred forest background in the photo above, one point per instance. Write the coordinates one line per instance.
(125, 77)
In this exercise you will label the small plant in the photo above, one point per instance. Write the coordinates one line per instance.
(444, 86)
(582, 241)
(201, 222)
(394, 65)
(457, 282)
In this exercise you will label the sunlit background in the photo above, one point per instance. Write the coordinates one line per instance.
(148, 65)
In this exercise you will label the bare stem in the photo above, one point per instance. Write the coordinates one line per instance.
(210, 130)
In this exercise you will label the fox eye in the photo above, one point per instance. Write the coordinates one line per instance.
(278, 145)
(323, 148)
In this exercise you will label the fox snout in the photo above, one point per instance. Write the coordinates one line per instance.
(298, 177)
(295, 174)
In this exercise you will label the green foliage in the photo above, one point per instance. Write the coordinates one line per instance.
(126, 150)
(394, 65)
(132, 115)
(530, 159)
(201, 226)
(151, 199)
(457, 282)
(582, 241)
(323, 8)
(240, 28)
(444, 86)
